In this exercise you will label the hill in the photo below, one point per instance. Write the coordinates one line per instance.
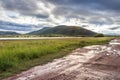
(8, 33)
(64, 30)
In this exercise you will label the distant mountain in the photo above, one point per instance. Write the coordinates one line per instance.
(64, 30)
(8, 33)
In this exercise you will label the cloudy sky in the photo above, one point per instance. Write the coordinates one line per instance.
(28, 15)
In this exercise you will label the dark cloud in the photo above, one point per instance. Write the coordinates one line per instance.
(101, 20)
(13, 17)
(107, 4)
(85, 7)
(115, 28)
(22, 6)
(41, 15)
(13, 26)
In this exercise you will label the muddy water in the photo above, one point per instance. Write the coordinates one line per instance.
(115, 42)
(97, 62)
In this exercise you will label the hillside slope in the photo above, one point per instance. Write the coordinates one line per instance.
(8, 33)
(65, 30)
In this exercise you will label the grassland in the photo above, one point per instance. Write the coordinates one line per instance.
(19, 55)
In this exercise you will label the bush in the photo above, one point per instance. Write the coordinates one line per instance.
(99, 35)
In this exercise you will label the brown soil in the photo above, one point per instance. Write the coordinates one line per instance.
(98, 62)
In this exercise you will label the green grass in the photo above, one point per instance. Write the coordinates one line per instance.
(16, 56)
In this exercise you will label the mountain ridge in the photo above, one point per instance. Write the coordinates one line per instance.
(64, 30)
(8, 33)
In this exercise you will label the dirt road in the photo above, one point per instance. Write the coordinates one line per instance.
(98, 62)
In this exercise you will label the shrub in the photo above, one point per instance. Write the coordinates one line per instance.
(99, 35)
